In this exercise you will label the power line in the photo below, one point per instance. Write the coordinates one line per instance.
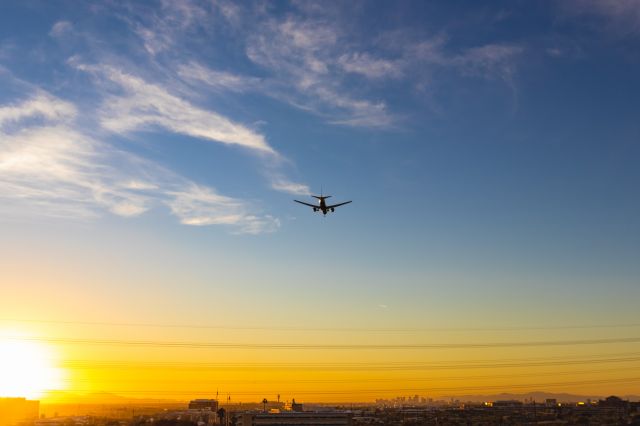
(388, 366)
(432, 390)
(205, 380)
(323, 329)
(544, 358)
(319, 346)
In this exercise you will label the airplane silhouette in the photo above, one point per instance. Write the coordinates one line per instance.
(322, 205)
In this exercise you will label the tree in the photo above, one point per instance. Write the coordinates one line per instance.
(221, 413)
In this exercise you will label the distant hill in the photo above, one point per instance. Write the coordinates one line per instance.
(536, 396)
(105, 398)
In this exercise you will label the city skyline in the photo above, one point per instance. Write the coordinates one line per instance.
(150, 153)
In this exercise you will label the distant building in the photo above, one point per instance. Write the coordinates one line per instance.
(508, 403)
(14, 410)
(551, 402)
(310, 418)
(204, 404)
(613, 401)
(296, 406)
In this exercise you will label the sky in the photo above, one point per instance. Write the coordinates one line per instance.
(150, 153)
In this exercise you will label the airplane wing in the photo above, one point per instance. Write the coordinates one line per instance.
(315, 206)
(338, 205)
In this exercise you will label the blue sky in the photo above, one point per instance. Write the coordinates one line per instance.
(156, 147)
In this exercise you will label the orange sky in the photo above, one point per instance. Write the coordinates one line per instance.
(151, 153)
(185, 362)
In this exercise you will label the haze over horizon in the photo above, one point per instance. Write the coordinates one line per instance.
(150, 153)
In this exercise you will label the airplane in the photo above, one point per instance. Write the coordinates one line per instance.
(322, 205)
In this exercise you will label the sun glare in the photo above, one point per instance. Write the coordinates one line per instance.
(26, 368)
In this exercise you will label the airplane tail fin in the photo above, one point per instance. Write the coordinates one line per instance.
(321, 197)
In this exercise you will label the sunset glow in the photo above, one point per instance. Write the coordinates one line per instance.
(321, 200)
(27, 368)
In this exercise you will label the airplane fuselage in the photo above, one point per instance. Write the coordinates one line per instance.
(322, 204)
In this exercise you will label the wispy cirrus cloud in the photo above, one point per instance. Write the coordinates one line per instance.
(360, 113)
(56, 166)
(154, 41)
(161, 27)
(621, 17)
(489, 60)
(282, 184)
(200, 206)
(142, 105)
(371, 67)
(42, 106)
(312, 61)
(52, 168)
(303, 54)
(219, 80)
(61, 28)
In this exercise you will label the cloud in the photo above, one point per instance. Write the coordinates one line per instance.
(154, 41)
(312, 64)
(139, 105)
(621, 16)
(230, 11)
(161, 28)
(56, 166)
(218, 80)
(41, 106)
(199, 206)
(316, 97)
(370, 67)
(142, 106)
(303, 57)
(280, 183)
(61, 28)
(52, 168)
(136, 184)
(488, 60)
(311, 60)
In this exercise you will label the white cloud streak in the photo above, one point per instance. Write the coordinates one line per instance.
(218, 80)
(41, 106)
(53, 169)
(144, 105)
(167, 23)
(311, 60)
(621, 17)
(303, 55)
(280, 183)
(61, 28)
(200, 206)
(58, 166)
(371, 67)
(488, 60)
